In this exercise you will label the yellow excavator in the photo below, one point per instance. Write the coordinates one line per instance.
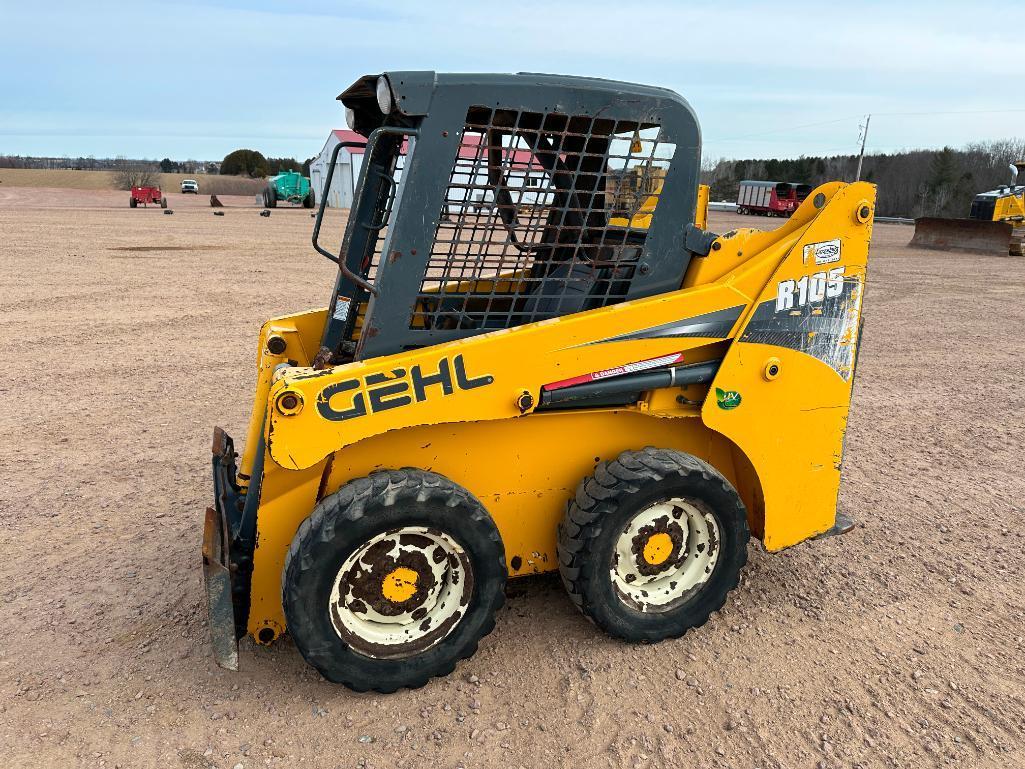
(995, 225)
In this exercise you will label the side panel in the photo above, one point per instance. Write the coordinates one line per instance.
(287, 498)
(1010, 207)
(301, 334)
(523, 470)
(783, 391)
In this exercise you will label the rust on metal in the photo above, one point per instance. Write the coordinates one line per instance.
(217, 580)
(397, 583)
(667, 528)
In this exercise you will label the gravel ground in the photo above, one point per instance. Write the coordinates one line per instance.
(34, 198)
(132, 333)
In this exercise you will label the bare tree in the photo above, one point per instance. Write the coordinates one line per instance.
(134, 173)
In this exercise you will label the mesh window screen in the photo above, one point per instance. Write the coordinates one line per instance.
(544, 215)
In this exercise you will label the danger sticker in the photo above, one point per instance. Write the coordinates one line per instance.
(826, 252)
(626, 368)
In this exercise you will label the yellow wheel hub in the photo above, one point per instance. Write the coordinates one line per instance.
(658, 547)
(399, 585)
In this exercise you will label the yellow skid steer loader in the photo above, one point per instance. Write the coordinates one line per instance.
(514, 375)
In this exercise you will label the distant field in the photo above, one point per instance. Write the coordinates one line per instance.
(209, 184)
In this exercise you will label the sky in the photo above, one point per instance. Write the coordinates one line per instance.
(198, 79)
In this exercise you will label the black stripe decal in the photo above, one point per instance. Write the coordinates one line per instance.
(827, 330)
(716, 325)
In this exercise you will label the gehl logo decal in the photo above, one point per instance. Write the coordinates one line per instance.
(379, 392)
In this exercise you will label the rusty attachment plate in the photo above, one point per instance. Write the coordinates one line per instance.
(217, 578)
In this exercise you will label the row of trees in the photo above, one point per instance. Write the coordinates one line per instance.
(168, 166)
(911, 183)
(105, 164)
(251, 163)
(243, 162)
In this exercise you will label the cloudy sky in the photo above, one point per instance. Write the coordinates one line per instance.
(196, 79)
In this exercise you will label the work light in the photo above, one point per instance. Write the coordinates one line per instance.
(384, 98)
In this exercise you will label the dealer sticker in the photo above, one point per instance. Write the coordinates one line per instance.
(826, 252)
(727, 399)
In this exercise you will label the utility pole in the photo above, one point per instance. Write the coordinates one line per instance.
(861, 156)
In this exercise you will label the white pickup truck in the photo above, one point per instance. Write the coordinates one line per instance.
(190, 185)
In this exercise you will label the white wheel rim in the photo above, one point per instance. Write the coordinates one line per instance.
(401, 592)
(664, 555)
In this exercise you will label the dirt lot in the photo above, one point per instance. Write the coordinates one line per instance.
(129, 334)
(34, 198)
(69, 179)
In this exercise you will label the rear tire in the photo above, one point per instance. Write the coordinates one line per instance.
(308, 200)
(163, 202)
(652, 544)
(392, 580)
(133, 203)
(270, 197)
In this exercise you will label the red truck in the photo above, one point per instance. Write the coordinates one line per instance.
(771, 198)
(147, 195)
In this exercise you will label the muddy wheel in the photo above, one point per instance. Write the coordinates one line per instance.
(652, 544)
(163, 202)
(132, 203)
(393, 580)
(308, 200)
(270, 198)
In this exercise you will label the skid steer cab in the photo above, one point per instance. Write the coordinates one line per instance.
(535, 358)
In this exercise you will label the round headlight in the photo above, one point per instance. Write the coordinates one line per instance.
(350, 118)
(384, 100)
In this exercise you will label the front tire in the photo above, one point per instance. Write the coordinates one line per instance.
(652, 544)
(392, 580)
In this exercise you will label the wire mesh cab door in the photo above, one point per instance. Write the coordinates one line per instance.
(520, 198)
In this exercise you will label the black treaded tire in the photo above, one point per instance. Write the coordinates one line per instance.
(308, 200)
(345, 520)
(270, 198)
(604, 504)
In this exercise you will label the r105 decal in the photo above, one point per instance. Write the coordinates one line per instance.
(810, 288)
